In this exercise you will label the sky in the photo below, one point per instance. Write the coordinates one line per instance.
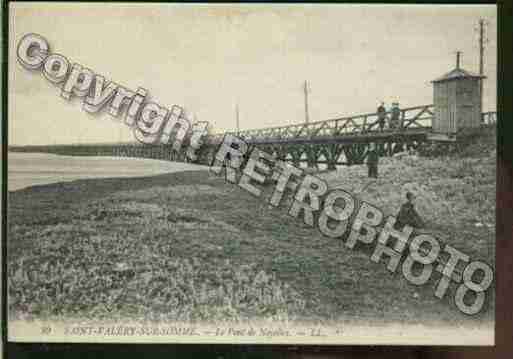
(208, 58)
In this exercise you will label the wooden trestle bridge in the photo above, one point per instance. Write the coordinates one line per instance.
(344, 140)
(338, 141)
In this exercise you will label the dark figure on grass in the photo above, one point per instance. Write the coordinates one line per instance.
(372, 161)
(382, 116)
(408, 215)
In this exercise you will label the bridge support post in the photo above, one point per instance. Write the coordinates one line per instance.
(399, 147)
(390, 151)
(311, 157)
(296, 156)
(380, 146)
(355, 154)
(332, 153)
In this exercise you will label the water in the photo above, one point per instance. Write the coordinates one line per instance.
(29, 169)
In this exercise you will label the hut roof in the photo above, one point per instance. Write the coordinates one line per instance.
(458, 73)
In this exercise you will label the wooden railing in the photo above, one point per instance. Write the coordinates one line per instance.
(412, 117)
(418, 117)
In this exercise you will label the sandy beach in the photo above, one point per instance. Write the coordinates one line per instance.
(29, 169)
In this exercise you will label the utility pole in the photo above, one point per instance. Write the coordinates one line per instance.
(237, 117)
(481, 57)
(481, 46)
(307, 117)
(458, 59)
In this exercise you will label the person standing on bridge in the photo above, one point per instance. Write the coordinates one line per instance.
(372, 161)
(382, 116)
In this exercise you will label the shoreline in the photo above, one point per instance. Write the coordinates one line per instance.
(35, 169)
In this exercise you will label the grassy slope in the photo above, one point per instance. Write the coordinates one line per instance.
(171, 237)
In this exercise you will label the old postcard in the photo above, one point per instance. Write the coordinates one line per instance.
(251, 173)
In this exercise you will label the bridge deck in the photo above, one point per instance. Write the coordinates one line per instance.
(357, 137)
(315, 142)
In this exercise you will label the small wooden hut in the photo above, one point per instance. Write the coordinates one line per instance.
(457, 100)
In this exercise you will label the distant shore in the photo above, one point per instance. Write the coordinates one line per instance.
(34, 168)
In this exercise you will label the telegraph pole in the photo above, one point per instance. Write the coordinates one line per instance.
(307, 117)
(481, 46)
(481, 56)
(237, 117)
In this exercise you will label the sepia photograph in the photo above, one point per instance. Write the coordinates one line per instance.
(319, 174)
